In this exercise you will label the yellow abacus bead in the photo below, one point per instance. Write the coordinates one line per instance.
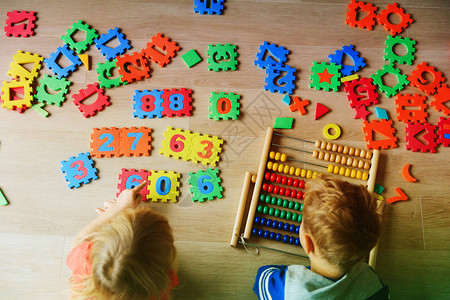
(286, 169)
(314, 174)
(345, 151)
(326, 157)
(355, 163)
(358, 174)
(329, 145)
(275, 166)
(303, 173)
(365, 176)
(353, 174)
(366, 165)
(280, 168)
(341, 171)
(298, 171)
(277, 156)
(272, 154)
(317, 144)
(360, 164)
(363, 153)
(357, 152)
(315, 154)
(309, 174)
(339, 149)
(336, 170)
(347, 172)
(269, 165)
(291, 171)
(369, 155)
(321, 154)
(330, 168)
(332, 157)
(351, 151)
(283, 157)
(334, 148)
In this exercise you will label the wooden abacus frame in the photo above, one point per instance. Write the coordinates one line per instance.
(371, 177)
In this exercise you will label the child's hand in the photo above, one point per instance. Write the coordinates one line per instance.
(127, 198)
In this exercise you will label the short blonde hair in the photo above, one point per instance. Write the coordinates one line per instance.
(131, 258)
(342, 219)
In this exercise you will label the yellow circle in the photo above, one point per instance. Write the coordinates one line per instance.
(326, 131)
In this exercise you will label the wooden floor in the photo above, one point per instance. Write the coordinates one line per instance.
(37, 227)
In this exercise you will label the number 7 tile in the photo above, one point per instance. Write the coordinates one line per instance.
(136, 141)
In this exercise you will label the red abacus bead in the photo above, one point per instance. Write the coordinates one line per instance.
(287, 192)
(272, 177)
(296, 181)
(278, 178)
(282, 189)
(270, 188)
(264, 186)
(299, 195)
(276, 189)
(267, 175)
(293, 193)
(283, 180)
(289, 181)
(303, 197)
(301, 184)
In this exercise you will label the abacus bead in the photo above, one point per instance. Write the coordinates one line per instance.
(294, 217)
(272, 154)
(282, 189)
(273, 177)
(301, 184)
(283, 214)
(357, 152)
(334, 148)
(345, 150)
(254, 178)
(339, 149)
(257, 218)
(269, 166)
(301, 207)
(276, 213)
(297, 206)
(283, 157)
(336, 170)
(343, 160)
(355, 163)
(265, 210)
(291, 240)
(269, 222)
(272, 235)
(365, 176)
(321, 155)
(280, 225)
(358, 174)
(326, 157)
(279, 202)
(278, 237)
(288, 215)
(262, 197)
(266, 234)
(332, 157)
(287, 192)
(303, 174)
(270, 188)
(299, 195)
(317, 144)
(277, 156)
(264, 186)
(353, 174)
(309, 174)
(329, 145)
(323, 145)
(276, 189)
(267, 175)
(286, 227)
(262, 221)
(260, 232)
(300, 218)
(280, 168)
(347, 172)
(255, 231)
(349, 161)
(293, 193)
(285, 203)
(273, 200)
(315, 154)
(283, 180)
(297, 229)
(351, 151)
(275, 167)
(296, 182)
(291, 171)
(338, 159)
(366, 165)
(274, 224)
(277, 178)
(289, 181)
(297, 242)
(292, 228)
(286, 169)
(260, 208)
(297, 171)
(291, 204)
(341, 171)
(286, 239)
(369, 155)
(315, 174)
(303, 197)
(267, 199)
(271, 211)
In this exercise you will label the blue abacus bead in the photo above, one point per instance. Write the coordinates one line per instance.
(257, 218)
(266, 234)
(297, 242)
(255, 231)
(280, 225)
(262, 221)
(291, 240)
(297, 229)
(286, 227)
(272, 235)
(292, 228)
(269, 222)
(286, 239)
(278, 237)
(274, 224)
(260, 232)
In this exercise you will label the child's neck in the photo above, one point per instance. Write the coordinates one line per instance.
(324, 268)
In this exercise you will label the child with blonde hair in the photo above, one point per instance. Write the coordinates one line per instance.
(126, 253)
(341, 224)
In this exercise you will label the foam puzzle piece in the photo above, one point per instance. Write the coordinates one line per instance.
(104, 75)
(222, 57)
(100, 103)
(320, 110)
(177, 102)
(271, 55)
(156, 48)
(389, 53)
(394, 29)
(80, 46)
(177, 143)
(328, 135)
(361, 92)
(79, 169)
(17, 70)
(388, 90)
(401, 196)
(414, 144)
(9, 91)
(338, 56)
(135, 141)
(417, 101)
(129, 179)
(383, 127)
(206, 149)
(163, 186)
(209, 7)
(361, 112)
(280, 79)
(440, 98)
(443, 132)
(3, 201)
(105, 142)
(191, 58)
(108, 52)
(39, 108)
(20, 23)
(147, 104)
(381, 113)
(299, 105)
(407, 175)
(378, 189)
(224, 106)
(52, 83)
(418, 80)
(325, 76)
(205, 185)
(133, 67)
(286, 100)
(85, 60)
(283, 123)
(355, 7)
(57, 69)
(349, 78)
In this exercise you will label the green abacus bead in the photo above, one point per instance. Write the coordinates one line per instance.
(288, 215)
(262, 197)
(294, 217)
(274, 200)
(268, 199)
(276, 213)
(285, 203)
(291, 204)
(297, 206)
(279, 202)
(301, 207)
(283, 214)
(300, 218)
(260, 208)
(271, 211)
(265, 210)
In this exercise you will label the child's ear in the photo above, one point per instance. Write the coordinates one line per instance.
(309, 244)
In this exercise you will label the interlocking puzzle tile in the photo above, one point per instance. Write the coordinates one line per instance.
(222, 57)
(320, 110)
(325, 76)
(283, 123)
(104, 39)
(381, 113)
(100, 103)
(401, 196)
(9, 91)
(429, 143)
(52, 83)
(156, 48)
(361, 112)
(394, 29)
(79, 169)
(3, 200)
(224, 106)
(378, 189)
(104, 75)
(271, 55)
(18, 70)
(361, 92)
(177, 102)
(383, 127)
(418, 80)
(205, 185)
(338, 56)
(209, 7)
(205, 149)
(51, 61)
(391, 55)
(441, 97)
(276, 82)
(135, 141)
(20, 23)
(147, 104)
(133, 67)
(129, 179)
(39, 108)
(106, 142)
(443, 132)
(390, 90)
(286, 100)
(191, 58)
(163, 186)
(417, 101)
(299, 105)
(359, 7)
(80, 46)
(177, 143)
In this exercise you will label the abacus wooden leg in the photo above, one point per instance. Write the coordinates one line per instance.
(370, 187)
(241, 209)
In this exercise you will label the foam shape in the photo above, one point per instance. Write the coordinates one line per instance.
(337, 131)
(53, 83)
(206, 149)
(208, 7)
(383, 127)
(350, 78)
(440, 98)
(191, 58)
(10, 101)
(79, 46)
(390, 54)
(163, 186)
(3, 200)
(283, 123)
(299, 105)
(133, 67)
(271, 55)
(443, 132)
(224, 106)
(394, 29)
(163, 43)
(320, 110)
(177, 143)
(429, 143)
(401, 196)
(112, 53)
(57, 69)
(287, 99)
(147, 104)
(20, 23)
(85, 60)
(338, 56)
(104, 75)
(205, 185)
(378, 189)
(381, 113)
(407, 175)
(355, 7)
(222, 57)
(135, 141)
(361, 112)
(129, 179)
(276, 82)
(17, 69)
(361, 92)
(325, 76)
(418, 80)
(177, 102)
(39, 108)
(105, 142)
(91, 109)
(416, 101)
(79, 169)
(388, 90)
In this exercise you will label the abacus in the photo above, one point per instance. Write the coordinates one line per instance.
(279, 174)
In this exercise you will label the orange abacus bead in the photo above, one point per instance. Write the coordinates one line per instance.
(339, 149)
(366, 165)
(363, 153)
(345, 151)
(334, 148)
(349, 161)
(338, 159)
(326, 156)
(332, 157)
(360, 164)
(317, 144)
(357, 151)
(369, 155)
(315, 154)
(355, 163)
(329, 146)
(321, 155)
(351, 151)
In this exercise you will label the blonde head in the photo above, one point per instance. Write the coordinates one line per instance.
(131, 258)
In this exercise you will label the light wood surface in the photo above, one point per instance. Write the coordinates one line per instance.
(44, 215)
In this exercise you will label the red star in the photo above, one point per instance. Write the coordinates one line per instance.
(325, 76)
(361, 113)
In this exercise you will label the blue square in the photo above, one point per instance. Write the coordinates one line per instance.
(79, 169)
(112, 53)
(147, 104)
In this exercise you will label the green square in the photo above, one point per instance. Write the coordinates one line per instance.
(191, 58)
(229, 100)
(283, 123)
(205, 185)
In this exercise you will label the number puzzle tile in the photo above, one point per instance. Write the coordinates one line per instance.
(79, 169)
(394, 29)
(401, 196)
(222, 57)
(417, 101)
(129, 179)
(104, 39)
(271, 55)
(440, 98)
(147, 104)
(443, 132)
(361, 92)
(418, 80)
(191, 58)
(67, 53)
(10, 101)
(325, 76)
(156, 48)
(205, 185)
(299, 105)
(100, 103)
(209, 7)
(381, 113)
(20, 23)
(52, 83)
(177, 102)
(106, 142)
(338, 57)
(224, 106)
(104, 75)
(163, 186)
(80, 46)
(388, 90)
(136, 141)
(383, 127)
(133, 67)
(206, 149)
(39, 108)
(359, 7)
(177, 143)
(283, 123)
(277, 82)
(427, 141)
(18, 70)
(408, 44)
